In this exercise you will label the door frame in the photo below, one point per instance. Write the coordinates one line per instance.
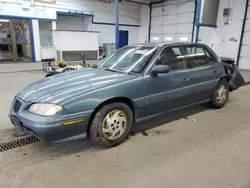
(31, 33)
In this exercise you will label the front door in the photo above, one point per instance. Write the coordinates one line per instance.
(167, 91)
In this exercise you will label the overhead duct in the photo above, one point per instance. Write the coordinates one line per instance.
(107, 1)
(130, 1)
(46, 1)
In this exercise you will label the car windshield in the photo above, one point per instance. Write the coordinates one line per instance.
(128, 59)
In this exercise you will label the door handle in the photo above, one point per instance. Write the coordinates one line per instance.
(185, 78)
(215, 71)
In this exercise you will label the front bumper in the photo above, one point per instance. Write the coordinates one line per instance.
(52, 129)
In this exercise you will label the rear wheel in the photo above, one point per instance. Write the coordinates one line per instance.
(111, 124)
(220, 95)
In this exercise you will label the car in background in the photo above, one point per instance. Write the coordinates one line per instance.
(133, 84)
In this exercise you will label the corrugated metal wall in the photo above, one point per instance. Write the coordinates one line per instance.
(172, 22)
(244, 60)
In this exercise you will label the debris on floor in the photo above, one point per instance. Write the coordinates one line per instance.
(158, 132)
(144, 133)
(132, 133)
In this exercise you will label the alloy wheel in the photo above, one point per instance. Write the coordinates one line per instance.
(114, 124)
(222, 94)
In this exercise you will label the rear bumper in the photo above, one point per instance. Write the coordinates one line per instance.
(52, 129)
(236, 79)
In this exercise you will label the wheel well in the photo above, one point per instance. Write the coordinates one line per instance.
(225, 77)
(125, 100)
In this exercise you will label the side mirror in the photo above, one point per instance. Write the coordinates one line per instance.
(160, 69)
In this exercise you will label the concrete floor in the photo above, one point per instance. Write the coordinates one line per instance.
(246, 74)
(207, 148)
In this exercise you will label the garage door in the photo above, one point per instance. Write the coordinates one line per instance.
(244, 61)
(172, 22)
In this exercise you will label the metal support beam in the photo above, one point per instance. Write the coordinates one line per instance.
(117, 24)
(193, 30)
(150, 20)
(13, 41)
(198, 16)
(242, 32)
(197, 33)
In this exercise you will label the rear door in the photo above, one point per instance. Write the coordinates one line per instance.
(203, 72)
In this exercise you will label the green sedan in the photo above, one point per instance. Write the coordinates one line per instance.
(133, 84)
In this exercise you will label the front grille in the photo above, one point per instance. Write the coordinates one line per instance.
(17, 106)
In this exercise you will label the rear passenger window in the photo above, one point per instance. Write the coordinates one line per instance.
(198, 56)
(195, 50)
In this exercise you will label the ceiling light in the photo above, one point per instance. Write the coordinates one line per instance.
(4, 20)
(168, 38)
(155, 38)
(183, 38)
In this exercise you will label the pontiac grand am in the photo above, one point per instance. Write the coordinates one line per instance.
(135, 83)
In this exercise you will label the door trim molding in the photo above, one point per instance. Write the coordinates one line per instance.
(175, 109)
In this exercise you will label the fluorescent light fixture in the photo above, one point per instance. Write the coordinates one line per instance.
(4, 20)
(168, 38)
(155, 38)
(183, 38)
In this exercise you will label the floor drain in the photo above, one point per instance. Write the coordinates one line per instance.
(18, 143)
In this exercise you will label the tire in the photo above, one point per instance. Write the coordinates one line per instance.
(117, 113)
(219, 101)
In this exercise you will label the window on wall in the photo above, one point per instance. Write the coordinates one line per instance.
(198, 56)
(173, 58)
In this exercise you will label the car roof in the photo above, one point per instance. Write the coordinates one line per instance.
(161, 44)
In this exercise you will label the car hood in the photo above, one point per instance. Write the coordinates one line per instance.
(58, 88)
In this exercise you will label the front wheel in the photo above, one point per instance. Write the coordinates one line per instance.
(220, 95)
(111, 124)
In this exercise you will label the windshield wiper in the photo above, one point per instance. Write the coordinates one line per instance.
(95, 66)
(114, 70)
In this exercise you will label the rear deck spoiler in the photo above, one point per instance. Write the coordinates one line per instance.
(227, 60)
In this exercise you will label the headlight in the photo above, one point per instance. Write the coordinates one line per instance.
(45, 109)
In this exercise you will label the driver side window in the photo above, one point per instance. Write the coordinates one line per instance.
(173, 58)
